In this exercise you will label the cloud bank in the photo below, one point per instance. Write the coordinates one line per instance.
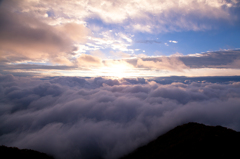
(72, 117)
(219, 59)
(219, 63)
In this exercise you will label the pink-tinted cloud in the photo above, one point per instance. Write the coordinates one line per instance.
(163, 63)
(143, 15)
(25, 37)
(89, 61)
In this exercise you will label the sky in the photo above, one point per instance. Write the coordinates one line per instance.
(121, 38)
(96, 79)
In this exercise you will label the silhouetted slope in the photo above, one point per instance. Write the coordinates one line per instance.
(15, 153)
(192, 140)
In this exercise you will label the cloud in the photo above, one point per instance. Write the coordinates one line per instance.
(144, 16)
(25, 37)
(172, 41)
(148, 41)
(72, 117)
(120, 55)
(162, 63)
(141, 28)
(219, 63)
(118, 64)
(128, 39)
(108, 39)
(89, 61)
(218, 59)
(98, 53)
(228, 59)
(76, 32)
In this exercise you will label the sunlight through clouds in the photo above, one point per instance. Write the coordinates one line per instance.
(96, 79)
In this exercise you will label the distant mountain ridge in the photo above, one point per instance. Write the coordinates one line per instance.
(191, 140)
(15, 153)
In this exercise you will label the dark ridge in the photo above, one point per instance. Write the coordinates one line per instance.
(14, 153)
(191, 140)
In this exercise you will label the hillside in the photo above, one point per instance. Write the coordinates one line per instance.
(14, 153)
(191, 140)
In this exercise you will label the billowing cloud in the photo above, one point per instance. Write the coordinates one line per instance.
(72, 117)
(25, 37)
(143, 15)
(76, 32)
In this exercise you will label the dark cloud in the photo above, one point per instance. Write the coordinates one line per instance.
(218, 59)
(188, 80)
(35, 66)
(72, 117)
(136, 81)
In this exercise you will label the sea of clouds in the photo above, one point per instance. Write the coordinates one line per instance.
(73, 117)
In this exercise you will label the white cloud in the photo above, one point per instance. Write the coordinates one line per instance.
(172, 41)
(136, 14)
(125, 37)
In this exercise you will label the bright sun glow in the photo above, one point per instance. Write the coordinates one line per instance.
(117, 70)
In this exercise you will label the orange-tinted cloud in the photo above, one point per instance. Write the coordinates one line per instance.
(25, 37)
(89, 61)
(163, 63)
(76, 32)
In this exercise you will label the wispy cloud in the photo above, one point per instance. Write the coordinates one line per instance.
(163, 63)
(220, 63)
(148, 41)
(172, 41)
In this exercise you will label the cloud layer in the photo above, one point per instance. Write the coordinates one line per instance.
(218, 59)
(219, 63)
(140, 15)
(72, 117)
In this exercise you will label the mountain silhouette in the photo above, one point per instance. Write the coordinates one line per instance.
(191, 140)
(15, 153)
